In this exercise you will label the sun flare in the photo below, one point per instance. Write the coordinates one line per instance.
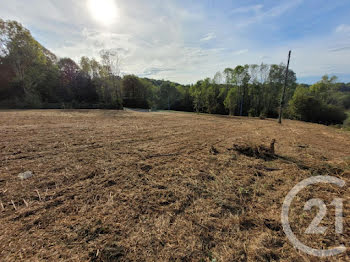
(103, 11)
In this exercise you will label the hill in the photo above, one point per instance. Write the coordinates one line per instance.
(32, 77)
(133, 186)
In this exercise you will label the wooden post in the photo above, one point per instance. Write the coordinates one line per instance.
(284, 90)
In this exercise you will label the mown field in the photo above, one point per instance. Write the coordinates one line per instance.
(136, 186)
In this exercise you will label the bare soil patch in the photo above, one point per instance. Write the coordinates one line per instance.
(133, 186)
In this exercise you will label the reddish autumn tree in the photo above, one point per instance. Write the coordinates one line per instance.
(68, 71)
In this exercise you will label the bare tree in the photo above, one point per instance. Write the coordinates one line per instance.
(111, 67)
(111, 61)
(218, 78)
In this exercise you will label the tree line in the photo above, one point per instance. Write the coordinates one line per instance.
(33, 77)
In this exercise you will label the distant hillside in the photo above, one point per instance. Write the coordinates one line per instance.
(33, 77)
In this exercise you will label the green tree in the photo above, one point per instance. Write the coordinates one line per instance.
(241, 79)
(27, 58)
(135, 92)
(306, 106)
(231, 100)
(85, 66)
(185, 102)
(274, 87)
(198, 95)
(110, 87)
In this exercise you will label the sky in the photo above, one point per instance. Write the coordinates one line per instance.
(187, 40)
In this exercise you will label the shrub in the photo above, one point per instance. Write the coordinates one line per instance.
(307, 107)
(331, 114)
(32, 100)
(346, 124)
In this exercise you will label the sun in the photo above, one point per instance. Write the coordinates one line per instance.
(103, 11)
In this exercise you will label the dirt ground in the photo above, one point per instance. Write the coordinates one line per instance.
(137, 186)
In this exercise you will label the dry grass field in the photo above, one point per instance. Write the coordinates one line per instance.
(134, 186)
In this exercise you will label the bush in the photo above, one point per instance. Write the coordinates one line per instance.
(262, 116)
(345, 100)
(251, 112)
(32, 100)
(307, 107)
(331, 114)
(346, 124)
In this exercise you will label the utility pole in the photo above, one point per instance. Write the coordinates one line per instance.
(284, 90)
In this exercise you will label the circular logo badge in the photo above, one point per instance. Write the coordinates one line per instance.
(313, 228)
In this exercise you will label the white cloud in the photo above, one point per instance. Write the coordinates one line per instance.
(161, 40)
(314, 56)
(155, 71)
(208, 37)
(343, 28)
(273, 12)
(247, 9)
(240, 52)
